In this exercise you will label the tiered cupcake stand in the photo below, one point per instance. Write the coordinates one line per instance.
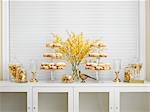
(98, 65)
(53, 66)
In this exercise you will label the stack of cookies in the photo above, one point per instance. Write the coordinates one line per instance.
(99, 44)
(53, 55)
(95, 66)
(53, 66)
(98, 55)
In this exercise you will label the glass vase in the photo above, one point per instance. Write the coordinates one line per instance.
(75, 71)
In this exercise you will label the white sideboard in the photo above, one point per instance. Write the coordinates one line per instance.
(75, 97)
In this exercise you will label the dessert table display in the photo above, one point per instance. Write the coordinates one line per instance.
(92, 96)
(76, 50)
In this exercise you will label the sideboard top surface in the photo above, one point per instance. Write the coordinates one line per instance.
(75, 84)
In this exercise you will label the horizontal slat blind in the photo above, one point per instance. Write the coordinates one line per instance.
(31, 25)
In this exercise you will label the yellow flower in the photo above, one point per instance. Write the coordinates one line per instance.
(75, 48)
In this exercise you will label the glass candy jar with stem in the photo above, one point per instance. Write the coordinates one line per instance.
(136, 67)
(33, 67)
(117, 68)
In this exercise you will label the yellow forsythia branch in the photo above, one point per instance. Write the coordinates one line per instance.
(75, 48)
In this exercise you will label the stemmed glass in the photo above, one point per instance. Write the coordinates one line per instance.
(33, 67)
(117, 68)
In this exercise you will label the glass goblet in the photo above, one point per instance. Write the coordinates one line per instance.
(33, 67)
(117, 68)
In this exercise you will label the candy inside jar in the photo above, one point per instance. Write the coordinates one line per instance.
(127, 74)
(136, 69)
(17, 72)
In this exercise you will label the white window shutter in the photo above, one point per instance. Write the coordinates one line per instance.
(32, 22)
